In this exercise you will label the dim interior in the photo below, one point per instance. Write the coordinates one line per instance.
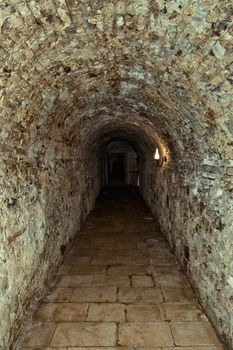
(95, 94)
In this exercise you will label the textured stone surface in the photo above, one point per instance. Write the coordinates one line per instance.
(145, 319)
(140, 295)
(85, 334)
(182, 312)
(106, 312)
(74, 280)
(193, 333)
(142, 281)
(62, 312)
(40, 334)
(75, 75)
(143, 312)
(96, 294)
(102, 280)
(145, 334)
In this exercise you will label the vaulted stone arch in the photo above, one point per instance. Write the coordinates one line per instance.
(76, 74)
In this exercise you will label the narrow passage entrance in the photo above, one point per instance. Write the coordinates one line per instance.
(120, 286)
(116, 168)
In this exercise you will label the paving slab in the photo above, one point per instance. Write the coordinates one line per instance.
(85, 334)
(106, 312)
(140, 294)
(145, 334)
(193, 334)
(94, 294)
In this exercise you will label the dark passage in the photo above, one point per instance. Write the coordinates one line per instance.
(120, 286)
(116, 168)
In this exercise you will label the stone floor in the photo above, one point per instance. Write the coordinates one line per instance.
(120, 286)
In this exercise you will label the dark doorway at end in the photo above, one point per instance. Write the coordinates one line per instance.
(116, 168)
(119, 165)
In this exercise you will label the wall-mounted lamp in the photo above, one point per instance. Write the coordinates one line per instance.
(157, 156)
(160, 160)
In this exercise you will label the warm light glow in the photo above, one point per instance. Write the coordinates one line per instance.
(157, 156)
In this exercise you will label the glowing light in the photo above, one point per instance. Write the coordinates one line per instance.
(157, 156)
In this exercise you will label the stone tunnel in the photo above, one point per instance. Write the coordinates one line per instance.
(78, 75)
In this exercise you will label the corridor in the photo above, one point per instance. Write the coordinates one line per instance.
(120, 286)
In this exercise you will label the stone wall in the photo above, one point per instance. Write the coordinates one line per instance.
(43, 203)
(194, 209)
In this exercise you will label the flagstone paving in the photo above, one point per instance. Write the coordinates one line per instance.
(120, 288)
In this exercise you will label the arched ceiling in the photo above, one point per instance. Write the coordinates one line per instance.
(140, 136)
(64, 64)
